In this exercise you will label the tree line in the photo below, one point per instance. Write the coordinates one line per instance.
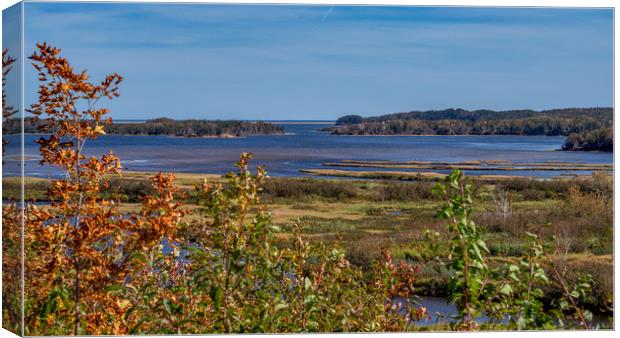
(486, 114)
(598, 139)
(579, 122)
(163, 126)
(479, 122)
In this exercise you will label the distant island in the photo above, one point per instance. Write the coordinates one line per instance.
(167, 126)
(585, 128)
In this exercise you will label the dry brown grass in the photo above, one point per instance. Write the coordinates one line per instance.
(407, 175)
(474, 166)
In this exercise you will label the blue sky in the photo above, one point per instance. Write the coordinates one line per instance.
(321, 62)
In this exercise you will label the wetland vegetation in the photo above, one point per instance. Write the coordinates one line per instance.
(365, 217)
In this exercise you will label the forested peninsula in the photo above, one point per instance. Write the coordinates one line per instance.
(166, 126)
(585, 128)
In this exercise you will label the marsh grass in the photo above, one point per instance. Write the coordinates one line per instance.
(290, 188)
(500, 166)
(36, 188)
(504, 245)
(313, 224)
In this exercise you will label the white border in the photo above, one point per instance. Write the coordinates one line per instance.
(482, 3)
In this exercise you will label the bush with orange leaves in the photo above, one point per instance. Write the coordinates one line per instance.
(11, 234)
(81, 244)
(11, 268)
(90, 269)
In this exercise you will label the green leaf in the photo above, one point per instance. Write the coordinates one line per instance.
(521, 324)
(216, 296)
(167, 306)
(477, 252)
(111, 288)
(506, 290)
(309, 300)
(513, 276)
(540, 274)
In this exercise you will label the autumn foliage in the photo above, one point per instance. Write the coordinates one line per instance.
(81, 244)
(90, 269)
(11, 234)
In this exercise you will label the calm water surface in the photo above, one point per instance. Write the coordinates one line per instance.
(303, 147)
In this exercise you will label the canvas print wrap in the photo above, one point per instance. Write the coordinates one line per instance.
(217, 168)
(12, 207)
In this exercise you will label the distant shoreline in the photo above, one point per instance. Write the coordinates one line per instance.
(166, 135)
(299, 122)
(416, 135)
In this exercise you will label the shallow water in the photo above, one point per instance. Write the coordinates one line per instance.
(440, 311)
(303, 147)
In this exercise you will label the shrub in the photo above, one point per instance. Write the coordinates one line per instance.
(514, 290)
(291, 188)
(235, 279)
(364, 251)
(532, 194)
(373, 210)
(591, 212)
(128, 190)
(34, 189)
(315, 224)
(81, 245)
(467, 284)
(510, 248)
(403, 191)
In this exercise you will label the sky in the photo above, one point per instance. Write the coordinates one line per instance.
(321, 62)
